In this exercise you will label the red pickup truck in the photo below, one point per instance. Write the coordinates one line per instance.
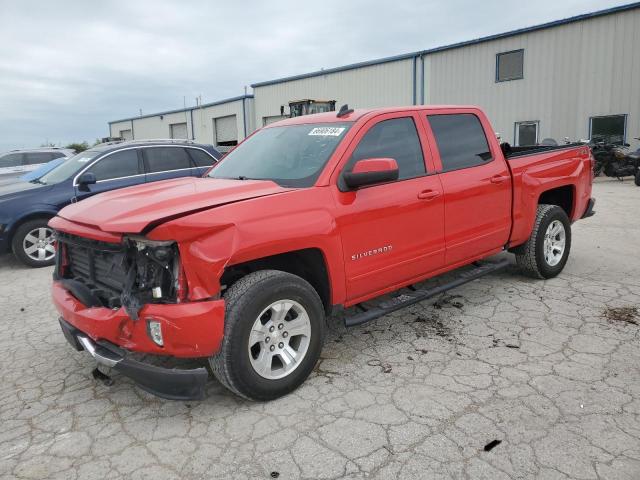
(306, 216)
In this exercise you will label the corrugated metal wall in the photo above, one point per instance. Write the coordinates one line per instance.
(116, 128)
(159, 126)
(372, 86)
(571, 72)
(204, 120)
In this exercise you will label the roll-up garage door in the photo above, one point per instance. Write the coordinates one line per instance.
(226, 130)
(126, 134)
(178, 130)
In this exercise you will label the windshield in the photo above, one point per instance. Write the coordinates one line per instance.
(68, 168)
(291, 156)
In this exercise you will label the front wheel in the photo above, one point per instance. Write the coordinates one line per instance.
(546, 252)
(34, 243)
(274, 333)
(637, 178)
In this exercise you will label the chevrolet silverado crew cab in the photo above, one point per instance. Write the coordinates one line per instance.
(306, 216)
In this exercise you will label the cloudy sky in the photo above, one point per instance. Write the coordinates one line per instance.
(68, 67)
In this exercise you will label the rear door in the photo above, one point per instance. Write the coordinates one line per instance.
(166, 162)
(119, 169)
(201, 159)
(476, 182)
(392, 233)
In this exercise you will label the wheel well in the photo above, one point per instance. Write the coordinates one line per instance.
(308, 264)
(28, 218)
(561, 196)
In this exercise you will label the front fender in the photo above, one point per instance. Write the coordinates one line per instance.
(211, 240)
(34, 211)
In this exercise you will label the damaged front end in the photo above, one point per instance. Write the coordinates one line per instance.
(131, 274)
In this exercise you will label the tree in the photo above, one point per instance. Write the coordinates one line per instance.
(78, 147)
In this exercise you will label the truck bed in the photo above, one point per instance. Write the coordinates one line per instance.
(538, 169)
(515, 152)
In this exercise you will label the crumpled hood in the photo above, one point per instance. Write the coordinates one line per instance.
(133, 209)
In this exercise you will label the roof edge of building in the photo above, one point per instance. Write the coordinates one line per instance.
(180, 110)
(497, 36)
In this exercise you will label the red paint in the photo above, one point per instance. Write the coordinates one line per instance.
(189, 330)
(375, 165)
(373, 240)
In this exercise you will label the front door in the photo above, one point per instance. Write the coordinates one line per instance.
(116, 170)
(392, 233)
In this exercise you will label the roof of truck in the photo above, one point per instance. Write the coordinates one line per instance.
(358, 113)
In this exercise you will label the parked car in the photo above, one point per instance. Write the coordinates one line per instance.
(306, 216)
(18, 162)
(40, 171)
(26, 207)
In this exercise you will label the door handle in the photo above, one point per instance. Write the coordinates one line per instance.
(498, 179)
(429, 194)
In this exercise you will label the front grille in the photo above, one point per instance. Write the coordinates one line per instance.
(98, 265)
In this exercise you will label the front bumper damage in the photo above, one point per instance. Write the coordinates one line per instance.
(110, 336)
(167, 383)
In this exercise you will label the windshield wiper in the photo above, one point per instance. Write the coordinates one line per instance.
(37, 180)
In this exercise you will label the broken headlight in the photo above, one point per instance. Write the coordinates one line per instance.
(154, 274)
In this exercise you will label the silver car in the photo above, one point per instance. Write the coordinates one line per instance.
(18, 162)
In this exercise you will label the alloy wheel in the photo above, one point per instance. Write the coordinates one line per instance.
(279, 339)
(39, 244)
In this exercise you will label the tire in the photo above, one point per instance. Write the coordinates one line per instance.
(25, 244)
(532, 257)
(251, 304)
(637, 178)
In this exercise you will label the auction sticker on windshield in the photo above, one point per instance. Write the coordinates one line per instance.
(327, 131)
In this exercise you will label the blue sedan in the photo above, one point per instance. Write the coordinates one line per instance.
(26, 207)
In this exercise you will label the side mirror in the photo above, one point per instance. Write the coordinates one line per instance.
(371, 171)
(86, 179)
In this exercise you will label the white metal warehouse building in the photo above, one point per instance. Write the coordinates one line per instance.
(572, 78)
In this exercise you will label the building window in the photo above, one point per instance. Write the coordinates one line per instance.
(510, 66)
(609, 129)
(526, 133)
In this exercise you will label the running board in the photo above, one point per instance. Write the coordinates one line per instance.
(405, 299)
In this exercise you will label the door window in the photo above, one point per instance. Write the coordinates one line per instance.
(526, 133)
(396, 138)
(117, 165)
(201, 158)
(461, 140)
(36, 158)
(162, 159)
(11, 160)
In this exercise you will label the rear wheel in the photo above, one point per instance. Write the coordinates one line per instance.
(637, 178)
(547, 250)
(274, 332)
(33, 243)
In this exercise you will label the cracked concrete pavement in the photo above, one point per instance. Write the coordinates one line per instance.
(417, 394)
